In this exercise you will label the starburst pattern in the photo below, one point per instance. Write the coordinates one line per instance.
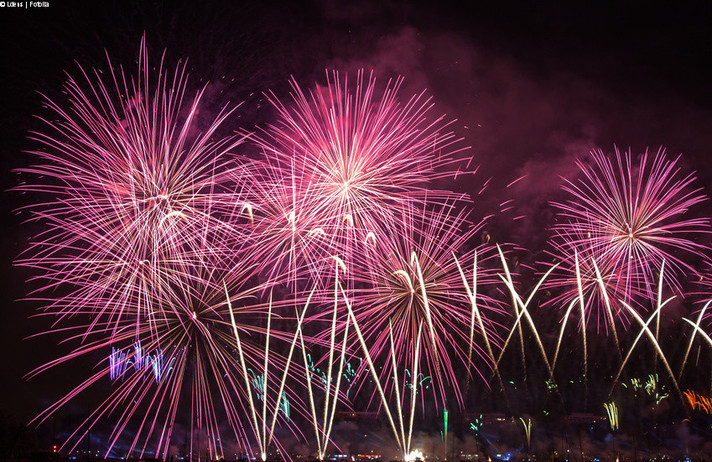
(626, 218)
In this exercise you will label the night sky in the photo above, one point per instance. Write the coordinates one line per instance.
(533, 87)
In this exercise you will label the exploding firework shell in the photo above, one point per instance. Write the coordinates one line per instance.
(628, 217)
(137, 195)
(362, 156)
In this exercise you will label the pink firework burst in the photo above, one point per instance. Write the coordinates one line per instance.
(362, 154)
(628, 216)
(137, 191)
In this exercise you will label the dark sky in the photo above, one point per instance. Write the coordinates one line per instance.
(532, 87)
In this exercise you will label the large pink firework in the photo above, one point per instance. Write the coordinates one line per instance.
(361, 155)
(136, 192)
(628, 216)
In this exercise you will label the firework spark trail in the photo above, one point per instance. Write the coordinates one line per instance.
(374, 375)
(428, 315)
(312, 405)
(698, 329)
(476, 315)
(403, 441)
(396, 388)
(692, 339)
(119, 361)
(522, 310)
(646, 330)
(323, 433)
(527, 430)
(264, 437)
(698, 402)
(612, 413)
(607, 304)
(582, 305)
(327, 417)
(515, 303)
(629, 217)
(580, 300)
(290, 238)
(598, 283)
(414, 389)
(339, 265)
(561, 333)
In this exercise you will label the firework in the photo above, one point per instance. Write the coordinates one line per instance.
(645, 329)
(361, 155)
(289, 237)
(195, 274)
(120, 360)
(624, 218)
(264, 433)
(698, 330)
(527, 424)
(190, 357)
(612, 413)
(330, 387)
(698, 402)
(521, 310)
(404, 436)
(138, 193)
(411, 277)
